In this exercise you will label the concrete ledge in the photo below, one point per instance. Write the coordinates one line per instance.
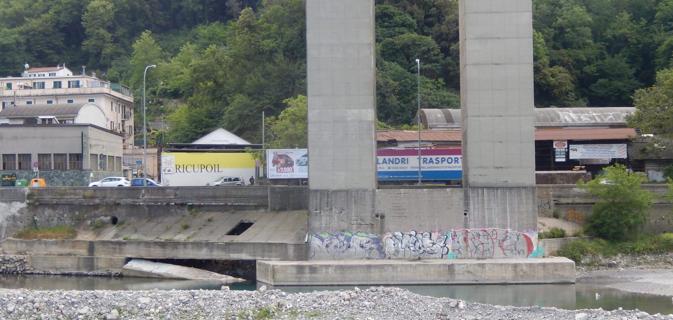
(158, 249)
(76, 264)
(399, 272)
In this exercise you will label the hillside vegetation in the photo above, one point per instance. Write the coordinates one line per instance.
(223, 62)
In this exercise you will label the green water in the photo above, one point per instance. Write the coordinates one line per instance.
(580, 296)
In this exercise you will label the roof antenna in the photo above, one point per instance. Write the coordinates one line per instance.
(84, 70)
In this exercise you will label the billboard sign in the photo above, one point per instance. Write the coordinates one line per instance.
(402, 164)
(598, 151)
(287, 163)
(203, 168)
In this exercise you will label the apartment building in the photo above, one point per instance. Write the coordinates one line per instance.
(58, 86)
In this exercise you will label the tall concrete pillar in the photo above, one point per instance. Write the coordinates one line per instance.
(496, 59)
(341, 114)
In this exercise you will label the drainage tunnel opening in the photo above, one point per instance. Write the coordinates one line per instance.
(240, 228)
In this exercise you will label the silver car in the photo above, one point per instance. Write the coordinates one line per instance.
(111, 182)
(227, 181)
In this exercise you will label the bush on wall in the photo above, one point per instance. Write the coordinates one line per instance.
(622, 206)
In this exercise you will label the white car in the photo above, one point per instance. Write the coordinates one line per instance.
(111, 182)
(227, 181)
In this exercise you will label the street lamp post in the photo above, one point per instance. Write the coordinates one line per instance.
(418, 114)
(145, 126)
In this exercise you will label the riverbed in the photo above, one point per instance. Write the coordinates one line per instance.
(595, 290)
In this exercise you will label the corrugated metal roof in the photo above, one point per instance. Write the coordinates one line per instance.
(585, 134)
(544, 117)
(541, 134)
(60, 110)
(411, 135)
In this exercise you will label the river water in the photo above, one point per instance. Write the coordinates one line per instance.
(579, 296)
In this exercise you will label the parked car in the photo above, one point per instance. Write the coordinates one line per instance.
(227, 181)
(138, 182)
(111, 182)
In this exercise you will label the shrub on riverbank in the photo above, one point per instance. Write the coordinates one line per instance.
(553, 233)
(52, 233)
(622, 206)
(583, 251)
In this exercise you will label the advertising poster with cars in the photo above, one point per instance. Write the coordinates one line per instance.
(402, 164)
(287, 163)
(205, 168)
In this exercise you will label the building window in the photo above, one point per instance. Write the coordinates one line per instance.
(29, 102)
(112, 125)
(110, 163)
(118, 164)
(60, 161)
(93, 162)
(44, 161)
(71, 101)
(50, 101)
(38, 85)
(73, 84)
(24, 162)
(52, 74)
(92, 100)
(57, 85)
(75, 161)
(8, 162)
(102, 162)
(8, 86)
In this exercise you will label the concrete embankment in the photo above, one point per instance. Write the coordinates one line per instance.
(399, 272)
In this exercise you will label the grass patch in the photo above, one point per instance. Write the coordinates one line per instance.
(184, 226)
(580, 250)
(54, 233)
(552, 233)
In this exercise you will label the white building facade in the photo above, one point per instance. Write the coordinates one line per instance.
(45, 86)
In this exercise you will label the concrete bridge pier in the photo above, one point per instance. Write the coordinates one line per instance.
(496, 59)
(342, 114)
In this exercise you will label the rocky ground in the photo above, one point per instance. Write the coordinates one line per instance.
(645, 261)
(374, 303)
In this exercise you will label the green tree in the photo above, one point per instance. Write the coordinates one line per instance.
(622, 206)
(146, 51)
(654, 110)
(392, 22)
(100, 43)
(290, 128)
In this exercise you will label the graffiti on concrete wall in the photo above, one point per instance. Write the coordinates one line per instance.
(455, 244)
(346, 245)
(416, 244)
(491, 243)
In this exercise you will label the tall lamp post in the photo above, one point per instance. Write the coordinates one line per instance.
(145, 126)
(418, 114)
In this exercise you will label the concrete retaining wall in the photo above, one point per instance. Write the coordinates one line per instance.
(396, 272)
(571, 203)
(158, 249)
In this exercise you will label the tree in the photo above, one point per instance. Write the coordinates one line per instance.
(622, 206)
(290, 128)
(654, 106)
(97, 20)
(146, 51)
(406, 48)
(392, 22)
(614, 82)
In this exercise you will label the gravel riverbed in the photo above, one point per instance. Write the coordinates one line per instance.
(373, 303)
